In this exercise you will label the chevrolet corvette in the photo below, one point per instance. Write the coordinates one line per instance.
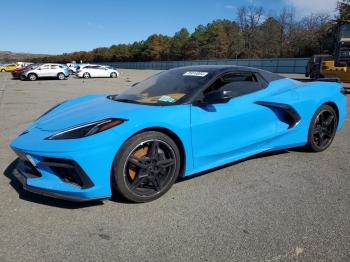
(174, 124)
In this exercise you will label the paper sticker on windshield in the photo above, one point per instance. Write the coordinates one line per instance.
(195, 73)
(167, 99)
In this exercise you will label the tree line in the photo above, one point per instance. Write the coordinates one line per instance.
(253, 34)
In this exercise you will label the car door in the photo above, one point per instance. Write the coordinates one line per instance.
(44, 70)
(102, 71)
(94, 71)
(54, 70)
(105, 71)
(224, 132)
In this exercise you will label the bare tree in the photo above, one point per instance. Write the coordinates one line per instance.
(249, 20)
(286, 19)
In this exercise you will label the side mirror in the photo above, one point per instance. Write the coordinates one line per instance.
(218, 97)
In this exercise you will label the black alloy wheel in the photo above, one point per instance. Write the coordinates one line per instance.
(146, 167)
(322, 129)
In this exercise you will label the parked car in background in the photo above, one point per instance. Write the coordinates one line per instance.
(23, 64)
(16, 74)
(81, 66)
(97, 71)
(8, 67)
(58, 71)
(72, 68)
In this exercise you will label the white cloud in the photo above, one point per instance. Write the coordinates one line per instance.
(304, 7)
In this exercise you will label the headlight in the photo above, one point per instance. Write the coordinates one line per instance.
(87, 129)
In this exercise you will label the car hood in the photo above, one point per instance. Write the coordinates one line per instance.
(84, 110)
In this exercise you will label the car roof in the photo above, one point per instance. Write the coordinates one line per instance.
(220, 69)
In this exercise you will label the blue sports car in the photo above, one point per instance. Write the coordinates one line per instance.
(176, 123)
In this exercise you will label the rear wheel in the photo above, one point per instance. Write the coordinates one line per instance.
(86, 75)
(146, 167)
(113, 75)
(32, 77)
(322, 129)
(313, 75)
(2, 70)
(61, 76)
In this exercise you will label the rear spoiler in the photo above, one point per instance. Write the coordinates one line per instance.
(330, 79)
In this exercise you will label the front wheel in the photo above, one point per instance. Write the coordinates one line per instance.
(32, 77)
(61, 76)
(2, 70)
(323, 128)
(114, 75)
(86, 75)
(146, 167)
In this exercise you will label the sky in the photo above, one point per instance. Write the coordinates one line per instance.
(54, 27)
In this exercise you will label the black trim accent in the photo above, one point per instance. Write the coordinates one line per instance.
(344, 90)
(22, 178)
(68, 170)
(293, 116)
(330, 79)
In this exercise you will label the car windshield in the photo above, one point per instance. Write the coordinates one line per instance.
(32, 66)
(166, 88)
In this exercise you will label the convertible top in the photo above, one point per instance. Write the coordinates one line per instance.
(219, 69)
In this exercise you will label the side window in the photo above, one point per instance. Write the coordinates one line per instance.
(54, 67)
(239, 83)
(45, 67)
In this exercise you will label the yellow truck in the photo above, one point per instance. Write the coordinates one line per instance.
(339, 65)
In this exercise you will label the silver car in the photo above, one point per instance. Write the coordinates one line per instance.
(57, 71)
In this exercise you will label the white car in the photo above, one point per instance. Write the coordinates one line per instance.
(57, 71)
(97, 71)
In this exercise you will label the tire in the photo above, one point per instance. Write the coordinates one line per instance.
(323, 128)
(146, 167)
(2, 70)
(86, 75)
(32, 77)
(113, 75)
(61, 76)
(313, 75)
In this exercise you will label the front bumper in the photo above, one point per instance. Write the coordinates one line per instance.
(15, 75)
(76, 170)
(22, 175)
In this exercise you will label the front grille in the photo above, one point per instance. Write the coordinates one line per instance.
(68, 171)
